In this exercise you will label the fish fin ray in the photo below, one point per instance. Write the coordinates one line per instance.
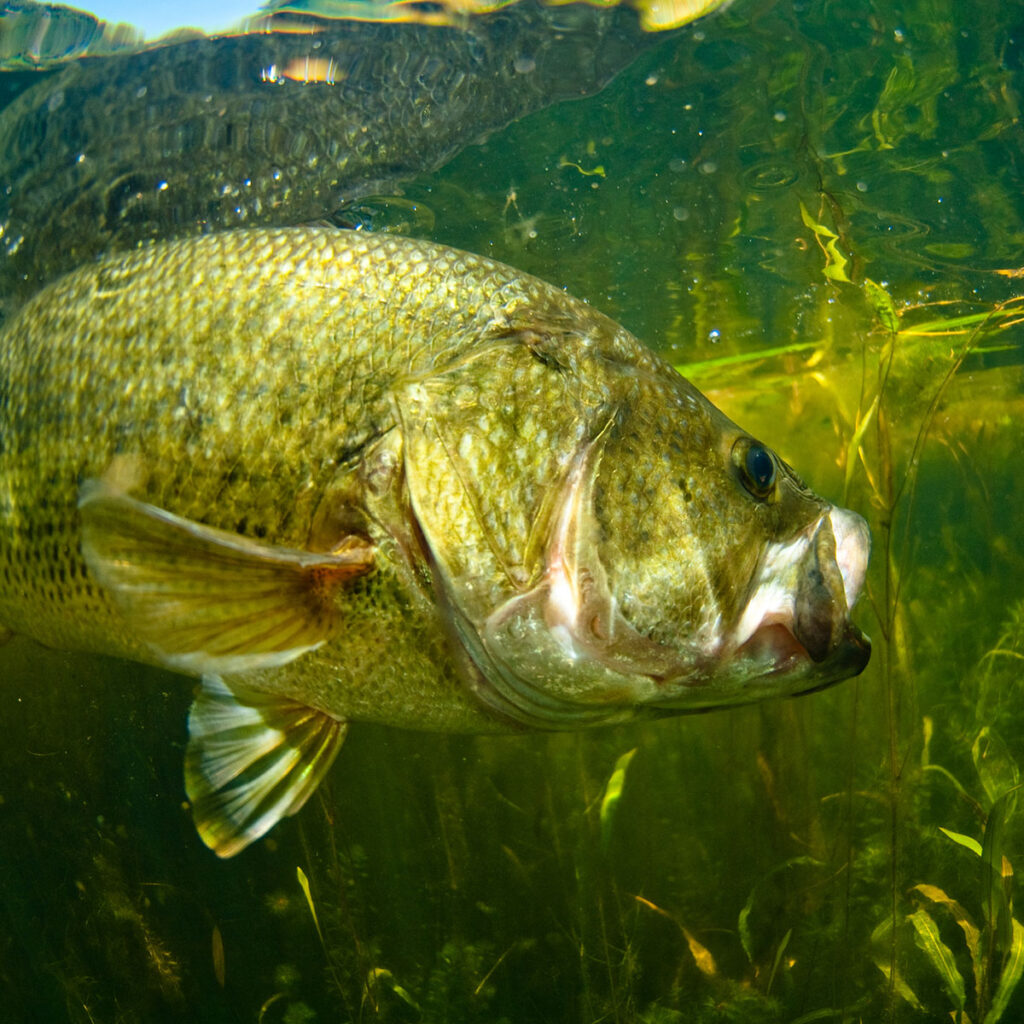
(207, 600)
(252, 759)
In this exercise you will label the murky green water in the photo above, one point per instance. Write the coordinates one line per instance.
(729, 197)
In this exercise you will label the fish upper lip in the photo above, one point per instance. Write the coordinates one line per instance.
(853, 549)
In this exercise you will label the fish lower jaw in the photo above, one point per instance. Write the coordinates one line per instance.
(766, 631)
(770, 658)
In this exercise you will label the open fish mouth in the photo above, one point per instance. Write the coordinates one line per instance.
(797, 615)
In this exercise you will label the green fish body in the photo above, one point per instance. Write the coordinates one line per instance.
(343, 476)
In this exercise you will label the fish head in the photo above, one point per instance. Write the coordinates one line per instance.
(650, 557)
(717, 561)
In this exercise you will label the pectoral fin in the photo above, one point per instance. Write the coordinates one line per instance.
(252, 759)
(207, 600)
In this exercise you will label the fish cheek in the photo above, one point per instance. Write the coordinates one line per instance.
(718, 534)
(650, 544)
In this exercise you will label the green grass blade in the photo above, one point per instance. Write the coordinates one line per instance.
(995, 765)
(739, 358)
(835, 261)
(972, 936)
(778, 960)
(853, 448)
(1013, 968)
(743, 925)
(903, 990)
(996, 899)
(379, 977)
(612, 793)
(966, 841)
(879, 940)
(304, 885)
(926, 935)
(957, 785)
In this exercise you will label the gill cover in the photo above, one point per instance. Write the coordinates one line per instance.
(501, 483)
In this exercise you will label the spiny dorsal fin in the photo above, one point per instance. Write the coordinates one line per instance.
(207, 600)
(252, 759)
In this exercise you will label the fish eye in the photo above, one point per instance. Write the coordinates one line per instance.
(756, 466)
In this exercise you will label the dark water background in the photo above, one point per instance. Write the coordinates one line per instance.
(818, 209)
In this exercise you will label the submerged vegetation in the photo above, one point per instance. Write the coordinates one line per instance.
(816, 211)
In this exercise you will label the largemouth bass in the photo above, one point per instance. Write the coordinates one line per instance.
(276, 128)
(348, 476)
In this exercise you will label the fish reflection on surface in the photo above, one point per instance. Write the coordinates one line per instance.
(273, 128)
